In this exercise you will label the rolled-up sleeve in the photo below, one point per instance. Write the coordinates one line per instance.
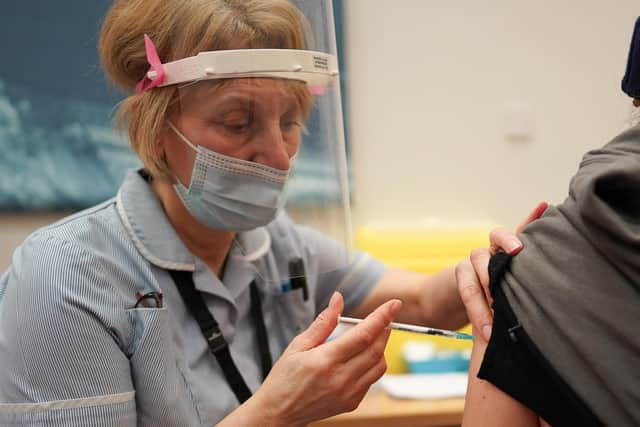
(107, 410)
(355, 281)
(62, 341)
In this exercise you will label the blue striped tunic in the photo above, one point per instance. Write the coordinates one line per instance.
(75, 352)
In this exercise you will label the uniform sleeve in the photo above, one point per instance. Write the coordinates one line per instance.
(353, 274)
(62, 348)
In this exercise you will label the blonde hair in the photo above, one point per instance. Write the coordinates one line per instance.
(179, 29)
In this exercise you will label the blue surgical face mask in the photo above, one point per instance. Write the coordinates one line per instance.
(226, 193)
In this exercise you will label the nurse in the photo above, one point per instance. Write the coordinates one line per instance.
(192, 298)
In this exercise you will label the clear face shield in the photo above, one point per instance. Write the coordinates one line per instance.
(264, 129)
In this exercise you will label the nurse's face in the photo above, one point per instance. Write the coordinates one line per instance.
(259, 120)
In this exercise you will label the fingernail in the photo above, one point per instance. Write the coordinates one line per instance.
(514, 246)
(333, 298)
(542, 206)
(486, 331)
(395, 306)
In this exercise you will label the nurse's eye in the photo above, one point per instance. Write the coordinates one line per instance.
(236, 123)
(290, 124)
(291, 120)
(241, 127)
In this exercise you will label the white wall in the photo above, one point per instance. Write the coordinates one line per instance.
(428, 84)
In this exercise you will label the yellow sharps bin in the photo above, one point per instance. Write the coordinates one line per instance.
(424, 249)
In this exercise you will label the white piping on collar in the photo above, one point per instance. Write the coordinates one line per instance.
(167, 265)
(262, 250)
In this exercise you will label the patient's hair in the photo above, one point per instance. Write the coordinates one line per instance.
(179, 29)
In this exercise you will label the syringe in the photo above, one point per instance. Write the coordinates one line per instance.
(414, 328)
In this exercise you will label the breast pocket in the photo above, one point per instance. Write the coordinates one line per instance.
(116, 410)
(162, 391)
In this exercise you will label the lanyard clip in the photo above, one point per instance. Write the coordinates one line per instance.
(215, 339)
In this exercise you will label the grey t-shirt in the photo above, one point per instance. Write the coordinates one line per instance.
(576, 285)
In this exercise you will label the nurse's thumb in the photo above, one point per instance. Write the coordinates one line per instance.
(322, 326)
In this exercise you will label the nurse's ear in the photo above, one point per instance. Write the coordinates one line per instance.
(636, 102)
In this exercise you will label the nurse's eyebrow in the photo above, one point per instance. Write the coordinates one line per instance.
(250, 99)
(235, 99)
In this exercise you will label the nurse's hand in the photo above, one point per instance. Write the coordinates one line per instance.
(472, 274)
(314, 380)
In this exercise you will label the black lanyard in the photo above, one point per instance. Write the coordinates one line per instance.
(212, 333)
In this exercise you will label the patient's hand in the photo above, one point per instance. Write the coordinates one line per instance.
(472, 274)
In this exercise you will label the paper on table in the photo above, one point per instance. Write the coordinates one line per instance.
(425, 386)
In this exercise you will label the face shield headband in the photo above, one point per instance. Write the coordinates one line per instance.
(316, 69)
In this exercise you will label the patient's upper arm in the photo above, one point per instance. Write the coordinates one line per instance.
(486, 405)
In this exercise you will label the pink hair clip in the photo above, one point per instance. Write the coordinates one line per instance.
(155, 75)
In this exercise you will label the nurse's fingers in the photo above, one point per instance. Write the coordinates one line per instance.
(321, 328)
(372, 375)
(480, 262)
(363, 335)
(363, 382)
(501, 238)
(366, 360)
(535, 214)
(473, 298)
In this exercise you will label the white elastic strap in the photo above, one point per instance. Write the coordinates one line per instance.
(184, 138)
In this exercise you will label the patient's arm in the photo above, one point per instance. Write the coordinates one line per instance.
(486, 405)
